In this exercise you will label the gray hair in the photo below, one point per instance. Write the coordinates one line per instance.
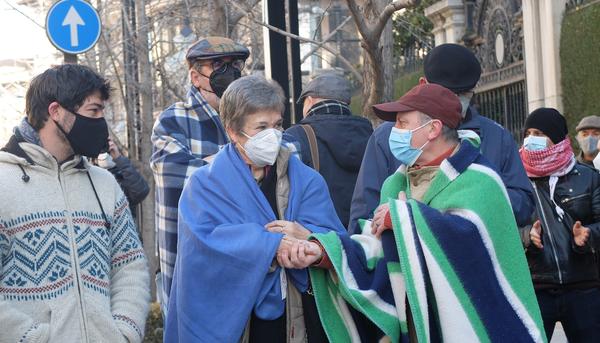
(449, 134)
(248, 95)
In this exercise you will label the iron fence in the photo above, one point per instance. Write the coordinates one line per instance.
(506, 105)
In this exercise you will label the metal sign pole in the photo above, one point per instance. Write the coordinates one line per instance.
(276, 52)
(69, 58)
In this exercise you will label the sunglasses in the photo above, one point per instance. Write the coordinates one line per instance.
(218, 63)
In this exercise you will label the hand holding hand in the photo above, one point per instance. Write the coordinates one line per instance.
(299, 254)
(288, 228)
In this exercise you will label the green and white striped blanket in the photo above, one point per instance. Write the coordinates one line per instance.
(455, 257)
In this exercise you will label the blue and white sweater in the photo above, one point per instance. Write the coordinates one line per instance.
(65, 276)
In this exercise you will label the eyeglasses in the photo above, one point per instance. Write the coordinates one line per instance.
(219, 63)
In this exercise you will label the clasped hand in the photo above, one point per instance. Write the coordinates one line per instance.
(294, 250)
(297, 254)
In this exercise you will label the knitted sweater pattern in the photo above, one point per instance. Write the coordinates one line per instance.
(65, 273)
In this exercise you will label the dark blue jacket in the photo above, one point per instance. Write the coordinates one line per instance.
(497, 145)
(341, 140)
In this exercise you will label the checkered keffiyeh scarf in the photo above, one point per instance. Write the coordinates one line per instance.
(555, 160)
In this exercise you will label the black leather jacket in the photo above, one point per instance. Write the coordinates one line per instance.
(561, 262)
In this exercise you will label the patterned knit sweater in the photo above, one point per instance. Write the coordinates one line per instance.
(66, 276)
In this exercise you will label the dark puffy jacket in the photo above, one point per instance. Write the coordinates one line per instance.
(561, 262)
(131, 181)
(341, 139)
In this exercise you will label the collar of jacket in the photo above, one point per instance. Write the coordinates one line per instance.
(32, 154)
(329, 107)
(471, 121)
(198, 104)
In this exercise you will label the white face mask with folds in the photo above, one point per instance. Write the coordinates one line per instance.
(262, 148)
(597, 162)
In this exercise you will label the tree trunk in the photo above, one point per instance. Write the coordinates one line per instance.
(145, 146)
(375, 88)
(387, 56)
(372, 18)
(130, 74)
(219, 27)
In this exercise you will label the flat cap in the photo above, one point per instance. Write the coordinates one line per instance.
(452, 66)
(215, 47)
(589, 122)
(431, 99)
(328, 85)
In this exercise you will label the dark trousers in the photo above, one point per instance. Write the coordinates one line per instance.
(577, 310)
(275, 330)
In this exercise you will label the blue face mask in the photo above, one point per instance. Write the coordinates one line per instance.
(535, 143)
(400, 145)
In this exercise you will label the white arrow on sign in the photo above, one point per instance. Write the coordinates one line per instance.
(73, 19)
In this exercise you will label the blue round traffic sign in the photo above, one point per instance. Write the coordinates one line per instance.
(73, 26)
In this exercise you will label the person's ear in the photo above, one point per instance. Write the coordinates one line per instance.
(232, 135)
(195, 77)
(436, 129)
(307, 105)
(54, 111)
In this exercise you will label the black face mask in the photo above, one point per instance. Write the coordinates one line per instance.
(221, 78)
(88, 136)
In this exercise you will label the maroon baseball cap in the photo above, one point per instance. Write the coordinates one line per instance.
(434, 100)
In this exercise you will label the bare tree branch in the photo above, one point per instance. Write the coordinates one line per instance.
(387, 12)
(25, 15)
(304, 39)
(114, 65)
(238, 14)
(361, 24)
(325, 40)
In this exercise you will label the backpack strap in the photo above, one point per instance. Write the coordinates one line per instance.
(312, 141)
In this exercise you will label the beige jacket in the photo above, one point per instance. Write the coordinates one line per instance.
(296, 329)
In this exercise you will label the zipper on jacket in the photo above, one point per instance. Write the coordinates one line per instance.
(543, 214)
(566, 200)
(75, 258)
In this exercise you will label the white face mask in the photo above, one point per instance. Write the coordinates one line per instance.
(465, 101)
(105, 161)
(262, 148)
(597, 162)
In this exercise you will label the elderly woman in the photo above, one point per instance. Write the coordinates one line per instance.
(563, 239)
(237, 218)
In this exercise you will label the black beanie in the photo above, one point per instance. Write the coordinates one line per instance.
(549, 121)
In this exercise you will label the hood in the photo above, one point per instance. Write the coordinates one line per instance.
(344, 136)
(27, 155)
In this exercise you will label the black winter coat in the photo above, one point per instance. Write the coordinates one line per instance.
(341, 139)
(560, 262)
(131, 181)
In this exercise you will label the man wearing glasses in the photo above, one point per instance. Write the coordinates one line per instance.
(186, 136)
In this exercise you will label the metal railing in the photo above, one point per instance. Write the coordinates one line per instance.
(411, 60)
(506, 105)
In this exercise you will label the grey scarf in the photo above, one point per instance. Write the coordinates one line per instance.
(28, 132)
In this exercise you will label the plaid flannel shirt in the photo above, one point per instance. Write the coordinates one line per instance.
(182, 136)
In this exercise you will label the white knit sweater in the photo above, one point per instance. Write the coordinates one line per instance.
(65, 276)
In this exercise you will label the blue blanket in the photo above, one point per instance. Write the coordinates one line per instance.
(224, 251)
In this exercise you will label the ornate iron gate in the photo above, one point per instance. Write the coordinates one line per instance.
(494, 31)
